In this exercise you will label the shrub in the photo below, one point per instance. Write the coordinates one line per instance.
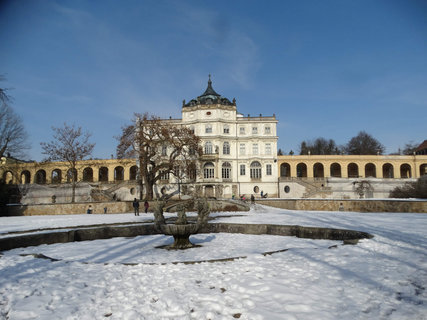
(416, 189)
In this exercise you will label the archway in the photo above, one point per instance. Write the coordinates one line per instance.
(56, 176)
(25, 177)
(318, 171)
(40, 177)
(133, 172)
(285, 170)
(8, 177)
(302, 170)
(405, 171)
(423, 169)
(336, 170)
(88, 174)
(353, 170)
(72, 175)
(388, 171)
(119, 173)
(370, 170)
(103, 174)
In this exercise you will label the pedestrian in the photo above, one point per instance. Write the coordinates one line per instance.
(146, 206)
(105, 210)
(252, 199)
(135, 205)
(89, 210)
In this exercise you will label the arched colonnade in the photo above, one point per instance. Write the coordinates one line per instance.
(384, 167)
(58, 172)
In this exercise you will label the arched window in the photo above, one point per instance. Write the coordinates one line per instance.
(318, 171)
(302, 170)
(40, 177)
(133, 172)
(72, 175)
(103, 174)
(285, 170)
(88, 174)
(370, 170)
(226, 170)
(255, 170)
(388, 171)
(226, 148)
(336, 170)
(25, 177)
(209, 170)
(405, 171)
(119, 173)
(208, 147)
(353, 170)
(56, 176)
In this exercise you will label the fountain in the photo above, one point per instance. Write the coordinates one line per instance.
(182, 229)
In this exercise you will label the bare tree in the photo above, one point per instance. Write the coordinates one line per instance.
(364, 144)
(161, 148)
(13, 137)
(70, 145)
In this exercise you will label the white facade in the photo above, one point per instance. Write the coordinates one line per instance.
(239, 152)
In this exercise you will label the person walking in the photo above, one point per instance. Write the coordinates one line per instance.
(135, 205)
(146, 206)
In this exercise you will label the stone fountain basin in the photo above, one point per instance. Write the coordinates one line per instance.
(107, 232)
(179, 229)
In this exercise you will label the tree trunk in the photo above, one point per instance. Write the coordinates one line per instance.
(149, 186)
(73, 191)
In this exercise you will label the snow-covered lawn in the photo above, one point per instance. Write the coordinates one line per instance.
(128, 278)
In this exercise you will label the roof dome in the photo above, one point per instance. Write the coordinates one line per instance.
(209, 97)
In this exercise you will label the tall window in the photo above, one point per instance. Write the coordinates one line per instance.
(242, 170)
(242, 148)
(208, 128)
(268, 170)
(254, 130)
(208, 147)
(255, 170)
(267, 130)
(255, 148)
(226, 148)
(268, 148)
(209, 171)
(242, 130)
(226, 170)
(226, 129)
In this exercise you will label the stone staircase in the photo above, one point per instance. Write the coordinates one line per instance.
(315, 188)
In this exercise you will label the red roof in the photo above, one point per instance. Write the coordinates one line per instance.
(422, 146)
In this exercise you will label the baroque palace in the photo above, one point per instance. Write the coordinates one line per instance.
(239, 159)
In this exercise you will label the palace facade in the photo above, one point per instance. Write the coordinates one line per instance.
(239, 159)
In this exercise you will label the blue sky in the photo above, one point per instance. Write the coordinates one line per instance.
(324, 68)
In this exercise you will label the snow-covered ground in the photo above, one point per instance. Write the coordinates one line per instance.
(128, 278)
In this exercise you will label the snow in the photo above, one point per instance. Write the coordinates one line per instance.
(128, 278)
